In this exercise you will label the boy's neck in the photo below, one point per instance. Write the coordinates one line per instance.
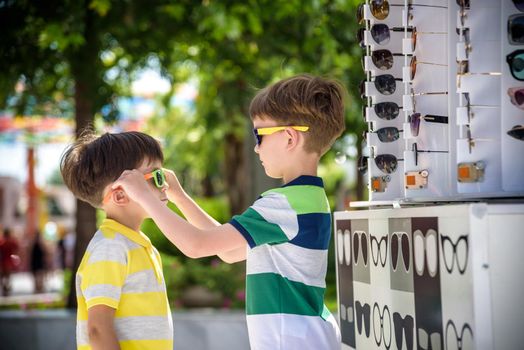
(304, 166)
(132, 221)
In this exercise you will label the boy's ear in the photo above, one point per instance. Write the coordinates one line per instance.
(292, 138)
(120, 197)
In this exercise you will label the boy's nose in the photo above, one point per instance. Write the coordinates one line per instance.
(256, 149)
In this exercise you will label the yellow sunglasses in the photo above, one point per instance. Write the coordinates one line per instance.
(271, 130)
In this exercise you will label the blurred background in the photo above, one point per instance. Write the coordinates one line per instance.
(182, 71)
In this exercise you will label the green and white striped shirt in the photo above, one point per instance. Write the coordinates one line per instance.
(288, 230)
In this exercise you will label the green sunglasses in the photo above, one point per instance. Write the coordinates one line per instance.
(158, 176)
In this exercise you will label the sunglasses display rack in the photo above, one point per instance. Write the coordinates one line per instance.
(444, 95)
(445, 277)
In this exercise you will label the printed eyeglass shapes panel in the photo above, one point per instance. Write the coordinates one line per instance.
(345, 282)
(360, 250)
(379, 250)
(455, 254)
(400, 256)
(363, 314)
(426, 283)
(458, 341)
(382, 329)
(403, 327)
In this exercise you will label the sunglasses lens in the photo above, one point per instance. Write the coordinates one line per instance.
(516, 29)
(379, 8)
(385, 84)
(519, 4)
(386, 162)
(258, 138)
(414, 123)
(380, 33)
(360, 14)
(519, 97)
(360, 37)
(517, 132)
(383, 59)
(159, 178)
(362, 89)
(516, 63)
(362, 165)
(413, 67)
(386, 110)
(464, 4)
(388, 134)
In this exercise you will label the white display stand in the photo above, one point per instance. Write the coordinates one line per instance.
(474, 136)
(453, 272)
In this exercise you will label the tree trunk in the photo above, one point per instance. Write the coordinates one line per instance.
(235, 169)
(84, 67)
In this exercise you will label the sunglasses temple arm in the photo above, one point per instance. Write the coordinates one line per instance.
(435, 118)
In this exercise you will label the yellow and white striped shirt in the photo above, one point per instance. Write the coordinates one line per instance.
(123, 270)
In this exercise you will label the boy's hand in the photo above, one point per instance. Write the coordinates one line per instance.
(175, 190)
(133, 184)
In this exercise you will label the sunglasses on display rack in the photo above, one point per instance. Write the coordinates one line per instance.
(460, 75)
(464, 36)
(383, 59)
(416, 151)
(519, 4)
(385, 84)
(379, 10)
(516, 96)
(465, 96)
(414, 121)
(259, 132)
(387, 134)
(158, 176)
(387, 163)
(413, 65)
(516, 29)
(386, 110)
(471, 140)
(517, 132)
(516, 64)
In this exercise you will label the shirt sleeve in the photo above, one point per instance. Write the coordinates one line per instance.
(104, 274)
(270, 220)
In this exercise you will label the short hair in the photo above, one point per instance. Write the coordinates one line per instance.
(92, 162)
(307, 100)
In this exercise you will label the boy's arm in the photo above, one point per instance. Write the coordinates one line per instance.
(191, 210)
(234, 255)
(101, 328)
(191, 240)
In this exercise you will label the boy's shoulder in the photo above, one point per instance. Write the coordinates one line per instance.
(303, 198)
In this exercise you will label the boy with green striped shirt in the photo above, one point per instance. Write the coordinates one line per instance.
(284, 235)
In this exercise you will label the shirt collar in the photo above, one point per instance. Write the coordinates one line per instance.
(136, 236)
(306, 180)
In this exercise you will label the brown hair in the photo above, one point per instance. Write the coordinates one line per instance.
(92, 162)
(305, 100)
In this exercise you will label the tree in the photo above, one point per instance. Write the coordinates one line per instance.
(76, 57)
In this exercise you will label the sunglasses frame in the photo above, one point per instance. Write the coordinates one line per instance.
(510, 58)
(517, 132)
(158, 176)
(511, 20)
(512, 93)
(259, 132)
(416, 151)
(414, 121)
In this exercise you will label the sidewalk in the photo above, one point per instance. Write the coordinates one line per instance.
(22, 289)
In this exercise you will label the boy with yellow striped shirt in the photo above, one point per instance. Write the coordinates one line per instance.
(121, 292)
